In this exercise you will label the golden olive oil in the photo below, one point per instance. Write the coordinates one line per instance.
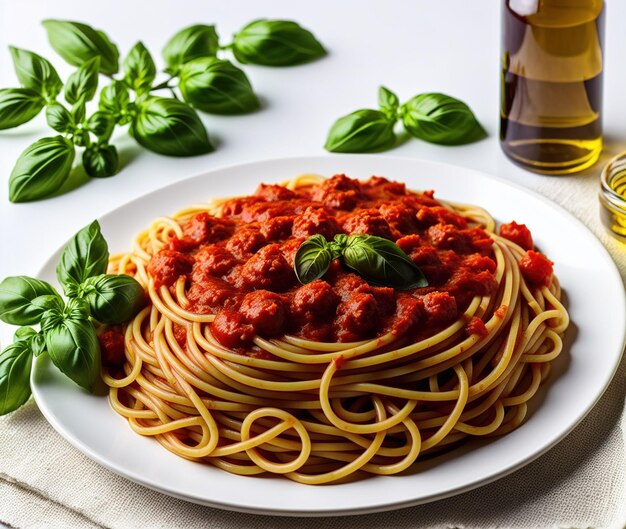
(613, 198)
(551, 93)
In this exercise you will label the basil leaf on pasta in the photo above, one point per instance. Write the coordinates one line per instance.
(382, 262)
(312, 259)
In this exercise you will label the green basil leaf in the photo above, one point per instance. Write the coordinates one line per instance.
(15, 365)
(114, 98)
(36, 73)
(276, 43)
(33, 339)
(382, 262)
(78, 110)
(216, 86)
(139, 69)
(438, 118)
(171, 127)
(83, 83)
(101, 161)
(85, 255)
(59, 118)
(73, 346)
(17, 296)
(361, 131)
(41, 169)
(113, 299)
(101, 123)
(312, 259)
(18, 105)
(388, 103)
(188, 44)
(77, 43)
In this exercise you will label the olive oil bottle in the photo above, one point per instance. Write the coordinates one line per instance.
(551, 83)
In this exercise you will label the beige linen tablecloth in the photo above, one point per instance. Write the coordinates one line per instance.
(581, 482)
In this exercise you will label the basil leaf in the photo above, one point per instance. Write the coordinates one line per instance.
(438, 118)
(17, 296)
(276, 43)
(114, 98)
(15, 365)
(59, 118)
(18, 105)
(36, 73)
(33, 339)
(216, 86)
(73, 346)
(188, 44)
(139, 69)
(41, 169)
(78, 110)
(77, 43)
(382, 262)
(83, 83)
(113, 298)
(312, 259)
(101, 123)
(388, 103)
(101, 161)
(361, 131)
(85, 255)
(171, 127)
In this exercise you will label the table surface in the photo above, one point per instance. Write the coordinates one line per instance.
(410, 46)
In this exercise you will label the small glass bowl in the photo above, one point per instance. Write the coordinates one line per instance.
(613, 197)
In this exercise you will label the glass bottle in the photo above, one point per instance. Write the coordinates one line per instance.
(551, 84)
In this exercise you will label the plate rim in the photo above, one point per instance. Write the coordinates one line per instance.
(348, 158)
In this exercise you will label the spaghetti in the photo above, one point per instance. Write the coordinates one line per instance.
(360, 398)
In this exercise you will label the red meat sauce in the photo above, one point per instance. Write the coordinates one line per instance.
(240, 266)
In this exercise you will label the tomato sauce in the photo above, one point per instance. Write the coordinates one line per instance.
(240, 266)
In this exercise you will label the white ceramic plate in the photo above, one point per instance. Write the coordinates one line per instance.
(593, 290)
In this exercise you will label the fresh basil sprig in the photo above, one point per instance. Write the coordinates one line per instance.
(276, 43)
(376, 259)
(164, 125)
(67, 332)
(435, 118)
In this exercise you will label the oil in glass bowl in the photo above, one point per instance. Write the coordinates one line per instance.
(613, 197)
